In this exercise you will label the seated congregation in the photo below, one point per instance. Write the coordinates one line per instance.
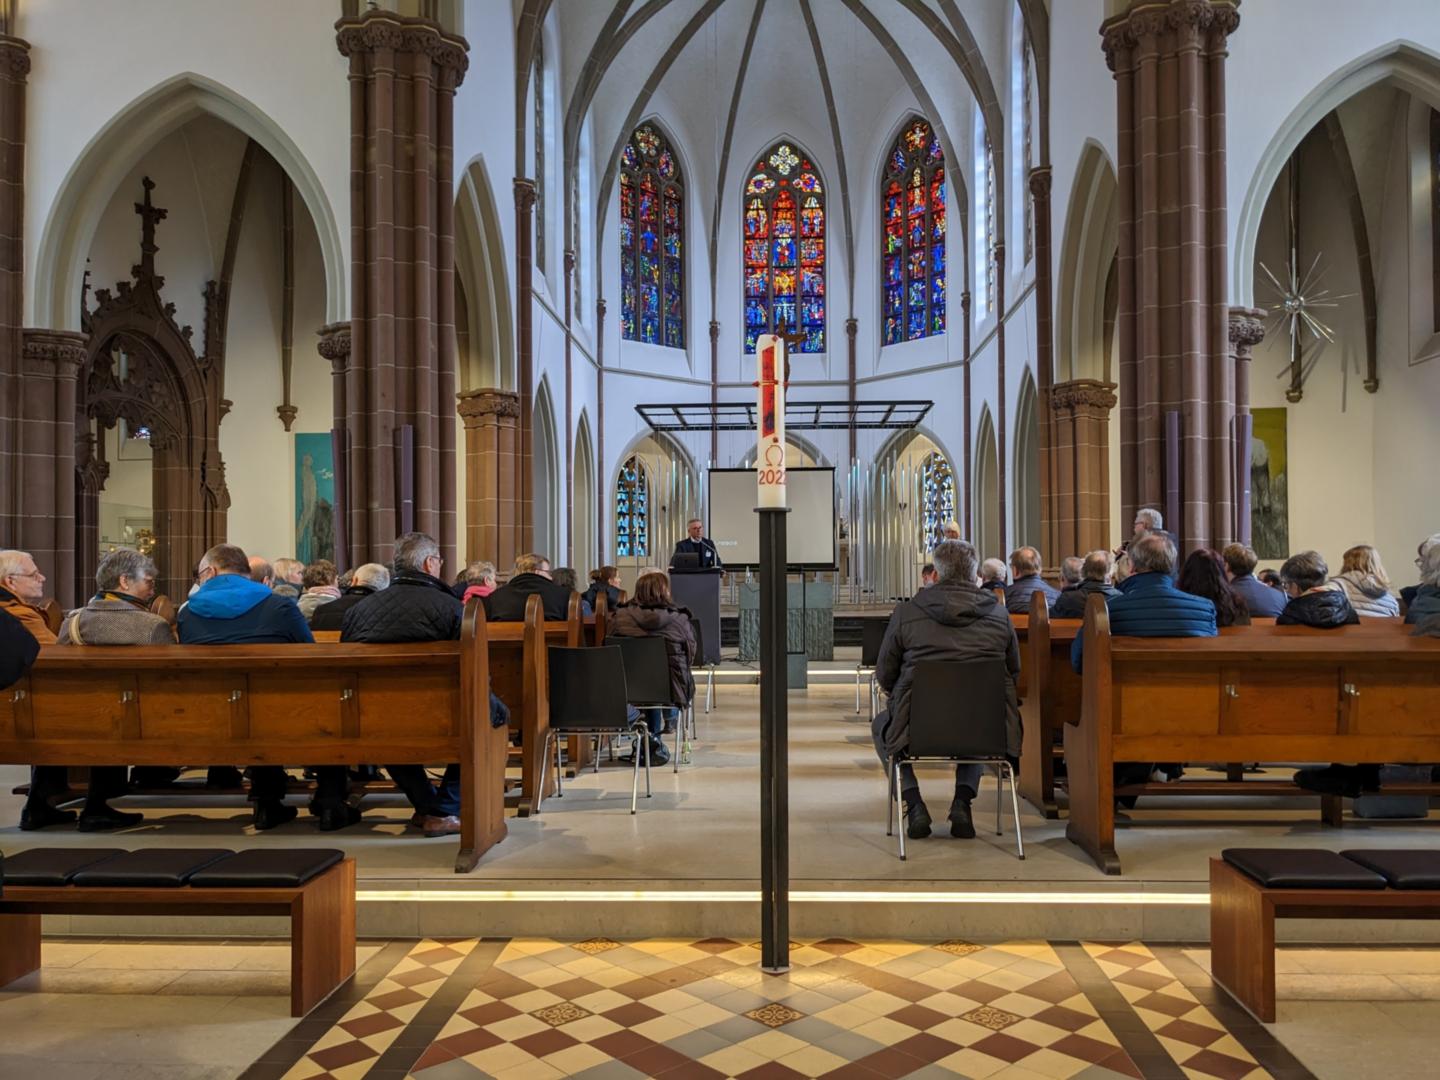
(242, 600)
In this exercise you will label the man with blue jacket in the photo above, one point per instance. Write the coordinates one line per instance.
(230, 609)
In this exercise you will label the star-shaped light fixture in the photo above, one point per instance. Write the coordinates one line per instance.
(1297, 304)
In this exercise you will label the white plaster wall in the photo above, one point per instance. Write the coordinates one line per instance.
(90, 60)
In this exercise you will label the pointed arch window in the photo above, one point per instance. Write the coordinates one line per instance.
(784, 249)
(652, 241)
(632, 510)
(938, 487)
(913, 247)
(985, 236)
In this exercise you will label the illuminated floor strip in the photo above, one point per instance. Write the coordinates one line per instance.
(799, 896)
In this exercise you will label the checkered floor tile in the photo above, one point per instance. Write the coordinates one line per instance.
(1187, 1030)
(349, 1049)
(603, 1009)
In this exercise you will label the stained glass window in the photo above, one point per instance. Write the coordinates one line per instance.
(784, 249)
(985, 238)
(912, 212)
(632, 510)
(938, 486)
(652, 241)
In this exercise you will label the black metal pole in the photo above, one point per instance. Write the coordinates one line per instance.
(774, 741)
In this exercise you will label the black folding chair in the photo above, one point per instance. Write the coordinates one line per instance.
(587, 697)
(957, 715)
(872, 635)
(709, 668)
(647, 676)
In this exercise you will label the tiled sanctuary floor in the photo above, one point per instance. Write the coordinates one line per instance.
(606, 1010)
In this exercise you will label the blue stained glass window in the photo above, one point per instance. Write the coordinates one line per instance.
(912, 215)
(784, 249)
(652, 241)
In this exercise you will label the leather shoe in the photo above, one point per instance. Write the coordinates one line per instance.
(962, 827)
(106, 819)
(43, 815)
(917, 821)
(271, 815)
(224, 776)
(440, 826)
(332, 818)
(1347, 780)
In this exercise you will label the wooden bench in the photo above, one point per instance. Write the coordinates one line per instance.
(1054, 694)
(1278, 694)
(321, 909)
(340, 704)
(1306, 885)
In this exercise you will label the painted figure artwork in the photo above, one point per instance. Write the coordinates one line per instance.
(1269, 484)
(314, 498)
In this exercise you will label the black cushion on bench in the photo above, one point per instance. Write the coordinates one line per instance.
(1409, 868)
(53, 866)
(267, 868)
(150, 868)
(1297, 868)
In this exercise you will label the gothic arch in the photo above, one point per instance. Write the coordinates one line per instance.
(487, 355)
(585, 517)
(1402, 64)
(986, 485)
(1026, 464)
(1091, 242)
(546, 465)
(110, 155)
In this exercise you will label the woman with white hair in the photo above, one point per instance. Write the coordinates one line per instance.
(1427, 597)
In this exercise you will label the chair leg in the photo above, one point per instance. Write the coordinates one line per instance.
(1015, 809)
(559, 765)
(857, 691)
(889, 803)
(544, 768)
(999, 794)
(899, 814)
(709, 688)
(596, 755)
(643, 734)
(634, 777)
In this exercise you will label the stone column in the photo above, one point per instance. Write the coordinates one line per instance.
(968, 521)
(492, 530)
(602, 503)
(1169, 63)
(45, 525)
(1247, 329)
(16, 522)
(334, 346)
(401, 374)
(1050, 536)
(714, 387)
(566, 422)
(1080, 416)
(525, 353)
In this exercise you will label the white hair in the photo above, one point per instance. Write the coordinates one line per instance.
(1153, 519)
(1429, 561)
(12, 563)
(371, 574)
(993, 570)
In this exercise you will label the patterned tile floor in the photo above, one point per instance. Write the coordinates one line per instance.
(609, 1010)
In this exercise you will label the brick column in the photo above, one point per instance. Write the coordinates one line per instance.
(1080, 415)
(1169, 63)
(967, 522)
(15, 520)
(1247, 329)
(492, 529)
(525, 353)
(1050, 536)
(50, 361)
(401, 375)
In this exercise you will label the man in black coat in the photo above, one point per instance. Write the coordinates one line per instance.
(418, 606)
(1094, 578)
(18, 650)
(699, 544)
(531, 577)
(952, 620)
(366, 581)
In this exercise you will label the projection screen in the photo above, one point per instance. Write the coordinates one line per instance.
(809, 530)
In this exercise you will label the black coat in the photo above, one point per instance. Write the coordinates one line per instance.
(507, 603)
(1324, 609)
(18, 649)
(1070, 604)
(416, 607)
(612, 595)
(948, 621)
(331, 616)
(672, 624)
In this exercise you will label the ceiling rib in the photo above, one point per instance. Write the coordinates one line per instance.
(725, 147)
(825, 87)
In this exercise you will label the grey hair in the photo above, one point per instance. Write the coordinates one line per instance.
(1097, 565)
(1306, 570)
(412, 549)
(12, 563)
(993, 570)
(1153, 553)
(123, 562)
(1071, 569)
(1154, 520)
(1429, 561)
(372, 574)
(954, 561)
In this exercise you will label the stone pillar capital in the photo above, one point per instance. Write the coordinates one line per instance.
(54, 353)
(379, 31)
(1087, 394)
(852, 326)
(14, 58)
(489, 405)
(1040, 179)
(714, 330)
(1247, 329)
(334, 345)
(524, 194)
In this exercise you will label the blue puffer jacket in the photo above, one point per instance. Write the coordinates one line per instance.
(1425, 604)
(233, 610)
(1151, 605)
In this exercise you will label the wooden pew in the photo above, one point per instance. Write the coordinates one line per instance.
(520, 677)
(1021, 623)
(1054, 693)
(348, 704)
(1359, 694)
